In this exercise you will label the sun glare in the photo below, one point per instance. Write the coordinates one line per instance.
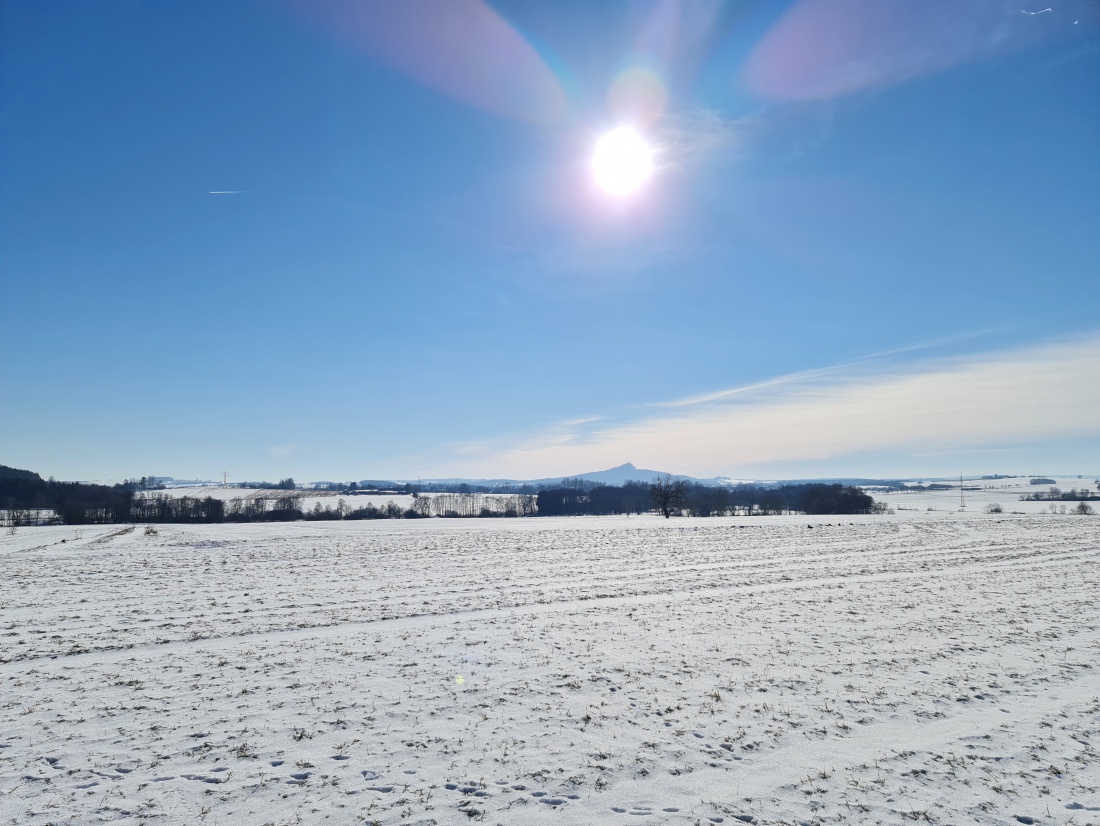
(622, 161)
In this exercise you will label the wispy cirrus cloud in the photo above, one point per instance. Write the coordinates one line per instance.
(687, 138)
(1036, 393)
(807, 376)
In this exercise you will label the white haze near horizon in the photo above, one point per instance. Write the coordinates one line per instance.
(1025, 395)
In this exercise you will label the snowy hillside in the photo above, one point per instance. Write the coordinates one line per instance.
(979, 494)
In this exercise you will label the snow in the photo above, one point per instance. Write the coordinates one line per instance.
(1004, 492)
(919, 666)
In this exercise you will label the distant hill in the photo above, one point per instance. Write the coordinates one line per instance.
(628, 472)
(612, 476)
(15, 473)
(618, 475)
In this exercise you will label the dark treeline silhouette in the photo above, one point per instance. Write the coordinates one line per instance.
(283, 484)
(595, 500)
(1059, 495)
(75, 503)
(288, 507)
(705, 500)
(26, 497)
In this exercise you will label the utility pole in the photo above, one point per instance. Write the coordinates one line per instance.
(962, 495)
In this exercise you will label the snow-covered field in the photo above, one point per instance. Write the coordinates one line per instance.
(914, 667)
(1003, 492)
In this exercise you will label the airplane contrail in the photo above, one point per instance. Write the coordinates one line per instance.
(225, 192)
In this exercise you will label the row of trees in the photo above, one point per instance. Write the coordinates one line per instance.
(283, 484)
(25, 494)
(1058, 495)
(289, 507)
(672, 497)
(1082, 509)
(24, 491)
(475, 504)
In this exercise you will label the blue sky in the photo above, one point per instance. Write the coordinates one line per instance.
(871, 245)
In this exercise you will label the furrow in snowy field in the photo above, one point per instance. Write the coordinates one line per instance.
(579, 671)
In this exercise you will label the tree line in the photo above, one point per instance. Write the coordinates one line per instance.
(1059, 495)
(672, 497)
(24, 495)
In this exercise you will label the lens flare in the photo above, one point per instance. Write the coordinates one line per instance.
(637, 95)
(622, 161)
(462, 48)
(823, 49)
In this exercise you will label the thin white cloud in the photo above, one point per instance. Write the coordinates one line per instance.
(995, 400)
(687, 138)
(282, 450)
(806, 376)
(225, 192)
(583, 420)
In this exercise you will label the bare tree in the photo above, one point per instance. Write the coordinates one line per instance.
(667, 494)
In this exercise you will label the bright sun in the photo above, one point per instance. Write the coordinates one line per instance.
(622, 161)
